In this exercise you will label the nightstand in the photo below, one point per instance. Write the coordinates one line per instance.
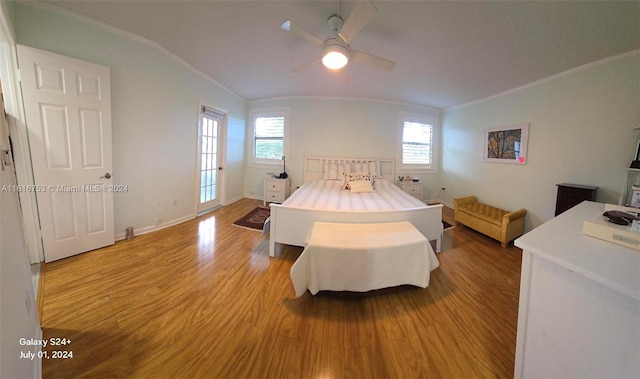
(275, 190)
(412, 188)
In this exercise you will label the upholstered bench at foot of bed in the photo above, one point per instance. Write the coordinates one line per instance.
(494, 222)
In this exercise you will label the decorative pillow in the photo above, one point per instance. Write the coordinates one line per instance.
(361, 186)
(345, 180)
(351, 177)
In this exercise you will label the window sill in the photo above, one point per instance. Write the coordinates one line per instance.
(277, 164)
(409, 169)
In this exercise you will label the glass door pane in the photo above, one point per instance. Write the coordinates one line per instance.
(208, 162)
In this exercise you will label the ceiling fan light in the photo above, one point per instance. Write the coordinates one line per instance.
(335, 57)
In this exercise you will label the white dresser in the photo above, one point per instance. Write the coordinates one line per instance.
(275, 190)
(579, 312)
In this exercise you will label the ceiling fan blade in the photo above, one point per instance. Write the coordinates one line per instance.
(294, 28)
(305, 66)
(362, 14)
(381, 63)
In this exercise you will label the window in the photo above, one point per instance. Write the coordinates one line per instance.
(416, 143)
(270, 135)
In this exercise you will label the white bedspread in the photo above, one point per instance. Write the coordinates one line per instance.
(363, 257)
(329, 195)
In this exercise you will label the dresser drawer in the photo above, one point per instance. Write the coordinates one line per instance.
(412, 188)
(274, 196)
(274, 185)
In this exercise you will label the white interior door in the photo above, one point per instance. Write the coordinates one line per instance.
(68, 112)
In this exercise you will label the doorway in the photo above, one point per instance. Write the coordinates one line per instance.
(209, 164)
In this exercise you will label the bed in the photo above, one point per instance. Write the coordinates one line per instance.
(321, 198)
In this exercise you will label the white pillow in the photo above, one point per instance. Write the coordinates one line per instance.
(352, 177)
(361, 186)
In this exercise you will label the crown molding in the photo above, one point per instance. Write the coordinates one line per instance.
(584, 67)
(343, 98)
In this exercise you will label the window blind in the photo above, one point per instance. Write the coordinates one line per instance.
(213, 113)
(416, 143)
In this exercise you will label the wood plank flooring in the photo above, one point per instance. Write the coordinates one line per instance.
(204, 300)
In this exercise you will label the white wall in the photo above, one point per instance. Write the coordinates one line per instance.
(356, 128)
(580, 132)
(155, 100)
(18, 309)
(234, 164)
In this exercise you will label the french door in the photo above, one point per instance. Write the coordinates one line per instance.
(209, 163)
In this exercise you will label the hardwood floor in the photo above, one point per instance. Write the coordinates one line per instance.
(204, 300)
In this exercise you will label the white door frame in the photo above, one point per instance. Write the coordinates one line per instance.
(18, 129)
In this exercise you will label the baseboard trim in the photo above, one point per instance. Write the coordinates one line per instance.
(153, 228)
(231, 201)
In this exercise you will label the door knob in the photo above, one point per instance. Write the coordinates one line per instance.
(220, 168)
(106, 176)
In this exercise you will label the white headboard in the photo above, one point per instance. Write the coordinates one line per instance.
(314, 166)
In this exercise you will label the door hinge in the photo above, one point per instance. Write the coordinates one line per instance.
(5, 157)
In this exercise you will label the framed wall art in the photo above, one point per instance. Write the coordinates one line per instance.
(506, 144)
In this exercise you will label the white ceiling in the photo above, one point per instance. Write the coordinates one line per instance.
(447, 52)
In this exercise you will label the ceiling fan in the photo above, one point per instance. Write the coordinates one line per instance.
(336, 52)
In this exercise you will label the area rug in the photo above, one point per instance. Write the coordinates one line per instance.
(254, 220)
